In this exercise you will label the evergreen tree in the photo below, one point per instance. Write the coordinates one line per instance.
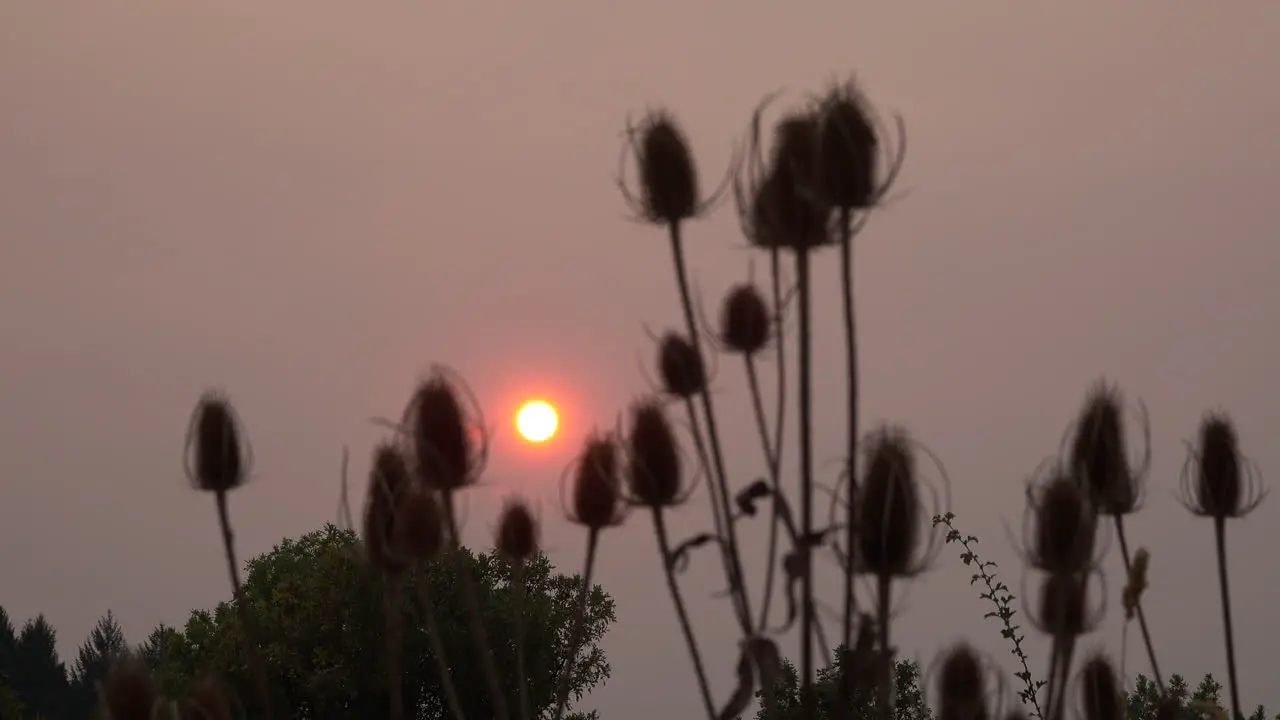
(39, 677)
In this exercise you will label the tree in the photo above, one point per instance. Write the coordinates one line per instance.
(104, 645)
(39, 677)
(909, 703)
(1145, 699)
(318, 610)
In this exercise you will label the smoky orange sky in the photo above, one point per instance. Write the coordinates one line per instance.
(306, 203)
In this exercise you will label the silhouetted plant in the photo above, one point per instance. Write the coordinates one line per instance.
(808, 183)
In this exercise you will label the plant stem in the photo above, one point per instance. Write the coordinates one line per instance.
(999, 596)
(677, 599)
(1142, 616)
(242, 607)
(391, 609)
(579, 619)
(780, 392)
(883, 585)
(807, 700)
(437, 644)
(851, 358)
(472, 602)
(1220, 539)
(518, 579)
(762, 424)
(736, 583)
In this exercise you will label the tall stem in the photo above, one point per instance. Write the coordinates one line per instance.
(780, 393)
(518, 579)
(721, 485)
(677, 599)
(771, 460)
(807, 700)
(1220, 539)
(472, 602)
(392, 609)
(1142, 616)
(242, 607)
(437, 644)
(883, 696)
(851, 369)
(579, 619)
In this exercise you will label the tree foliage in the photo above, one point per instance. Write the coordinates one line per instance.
(318, 608)
(909, 703)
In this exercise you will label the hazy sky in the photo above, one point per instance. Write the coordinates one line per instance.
(307, 203)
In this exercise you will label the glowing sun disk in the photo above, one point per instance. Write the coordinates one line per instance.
(537, 421)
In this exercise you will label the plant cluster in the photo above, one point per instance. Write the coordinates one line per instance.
(804, 186)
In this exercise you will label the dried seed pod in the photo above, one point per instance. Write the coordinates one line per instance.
(388, 481)
(217, 454)
(418, 524)
(1062, 605)
(668, 175)
(850, 149)
(1100, 690)
(797, 216)
(744, 320)
(1064, 527)
(961, 690)
(680, 366)
(445, 456)
(129, 692)
(889, 506)
(1225, 484)
(517, 531)
(207, 700)
(653, 458)
(1099, 455)
(597, 493)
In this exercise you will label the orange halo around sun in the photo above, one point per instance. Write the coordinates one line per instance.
(537, 421)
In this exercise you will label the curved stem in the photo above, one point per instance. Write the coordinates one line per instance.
(851, 369)
(762, 424)
(737, 587)
(807, 700)
(518, 579)
(579, 619)
(677, 599)
(780, 393)
(242, 607)
(437, 643)
(472, 602)
(1220, 540)
(392, 609)
(1142, 616)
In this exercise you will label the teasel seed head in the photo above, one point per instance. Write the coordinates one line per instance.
(207, 700)
(745, 320)
(445, 455)
(596, 501)
(653, 458)
(889, 506)
(1065, 527)
(850, 149)
(1063, 605)
(517, 531)
(668, 175)
(1100, 690)
(1099, 456)
(1226, 485)
(418, 524)
(961, 688)
(680, 366)
(129, 692)
(389, 480)
(218, 456)
(799, 219)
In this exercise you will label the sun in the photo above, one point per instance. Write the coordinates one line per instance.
(537, 421)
